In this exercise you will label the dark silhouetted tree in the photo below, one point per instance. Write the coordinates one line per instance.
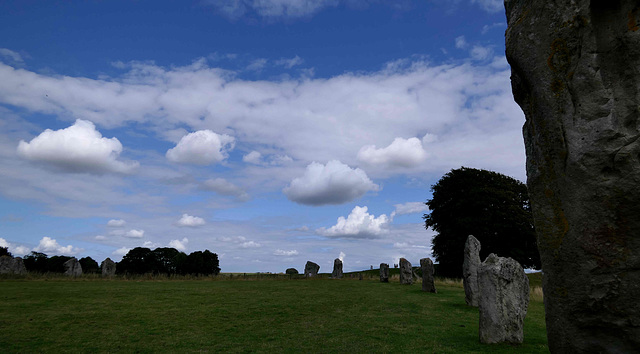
(55, 264)
(204, 263)
(137, 261)
(89, 265)
(36, 262)
(488, 205)
(4, 251)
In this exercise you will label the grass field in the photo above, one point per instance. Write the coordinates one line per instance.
(321, 315)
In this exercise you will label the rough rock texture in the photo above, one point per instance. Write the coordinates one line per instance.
(406, 272)
(337, 269)
(470, 267)
(108, 268)
(291, 271)
(72, 267)
(311, 269)
(575, 69)
(384, 272)
(503, 300)
(426, 265)
(10, 265)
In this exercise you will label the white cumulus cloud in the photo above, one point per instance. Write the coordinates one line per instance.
(250, 244)
(410, 208)
(15, 250)
(401, 153)
(333, 183)
(133, 233)
(203, 147)
(121, 251)
(279, 252)
(49, 245)
(78, 148)
(116, 223)
(253, 157)
(359, 224)
(190, 221)
(270, 8)
(180, 245)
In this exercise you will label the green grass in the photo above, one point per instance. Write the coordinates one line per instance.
(99, 315)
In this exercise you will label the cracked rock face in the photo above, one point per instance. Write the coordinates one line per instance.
(406, 272)
(337, 269)
(384, 272)
(108, 268)
(311, 269)
(575, 72)
(73, 268)
(470, 267)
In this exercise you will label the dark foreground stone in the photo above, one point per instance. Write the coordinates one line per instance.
(575, 69)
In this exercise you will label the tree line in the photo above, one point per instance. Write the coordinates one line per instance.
(139, 260)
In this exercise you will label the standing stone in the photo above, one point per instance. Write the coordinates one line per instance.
(359, 276)
(503, 300)
(384, 272)
(108, 268)
(72, 267)
(337, 269)
(574, 73)
(470, 270)
(406, 272)
(426, 265)
(291, 271)
(10, 265)
(311, 269)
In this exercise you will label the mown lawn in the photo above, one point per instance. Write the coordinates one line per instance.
(96, 315)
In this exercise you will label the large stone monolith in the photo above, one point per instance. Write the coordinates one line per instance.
(337, 269)
(503, 300)
(470, 270)
(426, 266)
(11, 265)
(311, 269)
(108, 268)
(575, 74)
(72, 267)
(406, 272)
(384, 272)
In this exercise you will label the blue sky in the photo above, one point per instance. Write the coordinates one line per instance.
(271, 132)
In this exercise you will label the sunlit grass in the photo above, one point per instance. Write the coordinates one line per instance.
(213, 315)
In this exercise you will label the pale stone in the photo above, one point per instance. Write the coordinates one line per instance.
(503, 300)
(311, 269)
(337, 269)
(426, 266)
(406, 272)
(108, 268)
(10, 265)
(575, 74)
(72, 267)
(384, 272)
(470, 270)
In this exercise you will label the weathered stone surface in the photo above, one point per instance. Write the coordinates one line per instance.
(10, 265)
(291, 271)
(470, 267)
(575, 73)
(311, 269)
(503, 300)
(337, 269)
(384, 272)
(426, 266)
(72, 267)
(108, 268)
(406, 272)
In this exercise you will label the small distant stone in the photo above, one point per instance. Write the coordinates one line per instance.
(503, 300)
(406, 272)
(337, 269)
(384, 272)
(72, 267)
(291, 271)
(311, 269)
(108, 268)
(426, 265)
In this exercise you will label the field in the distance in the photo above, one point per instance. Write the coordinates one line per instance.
(322, 315)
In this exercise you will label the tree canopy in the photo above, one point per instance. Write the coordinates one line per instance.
(141, 260)
(488, 205)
